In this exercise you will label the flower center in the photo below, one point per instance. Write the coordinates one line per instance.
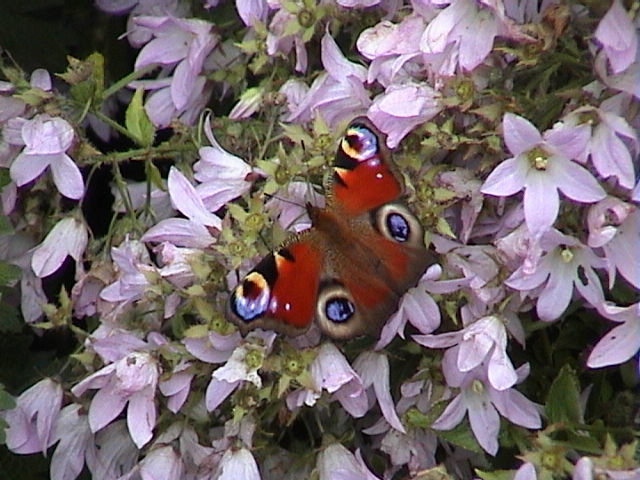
(538, 158)
(567, 255)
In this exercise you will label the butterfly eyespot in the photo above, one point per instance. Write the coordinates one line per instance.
(398, 227)
(251, 298)
(339, 309)
(398, 224)
(360, 143)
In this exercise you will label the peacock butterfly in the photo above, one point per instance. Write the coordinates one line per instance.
(350, 269)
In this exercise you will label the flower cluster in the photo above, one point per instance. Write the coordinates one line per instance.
(515, 125)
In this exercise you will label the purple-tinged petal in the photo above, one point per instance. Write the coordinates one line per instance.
(618, 36)
(541, 203)
(473, 49)
(516, 407)
(374, 369)
(217, 392)
(335, 62)
(443, 340)
(507, 178)
(181, 232)
(67, 177)
(72, 428)
(484, 420)
(41, 79)
(45, 135)
(161, 463)
(522, 280)
(27, 167)
(186, 200)
(105, 407)
(611, 157)
(575, 181)
(182, 85)
(526, 472)
(556, 295)
(252, 11)
(141, 417)
(568, 140)
(452, 415)
(618, 345)
(164, 50)
(238, 464)
(519, 133)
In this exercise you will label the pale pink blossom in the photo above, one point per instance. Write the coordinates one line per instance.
(614, 143)
(69, 237)
(32, 420)
(622, 342)
(618, 37)
(288, 207)
(222, 176)
(76, 442)
(225, 379)
(403, 107)
(195, 231)
(236, 464)
(177, 387)
(336, 95)
(482, 403)
(462, 34)
(212, 348)
(484, 340)
(134, 266)
(131, 380)
(162, 462)
(527, 471)
(335, 462)
(279, 42)
(252, 11)
(331, 371)
(180, 43)
(614, 226)
(542, 165)
(567, 264)
(46, 141)
(114, 454)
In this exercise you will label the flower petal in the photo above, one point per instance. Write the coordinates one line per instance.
(519, 133)
(67, 177)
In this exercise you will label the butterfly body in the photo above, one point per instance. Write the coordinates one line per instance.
(349, 271)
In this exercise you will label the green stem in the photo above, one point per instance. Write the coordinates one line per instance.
(126, 80)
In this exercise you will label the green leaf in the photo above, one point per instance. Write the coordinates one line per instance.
(563, 401)
(138, 124)
(5, 225)
(6, 400)
(495, 475)
(5, 178)
(8, 273)
(461, 436)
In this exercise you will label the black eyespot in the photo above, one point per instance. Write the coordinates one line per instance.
(339, 309)
(398, 227)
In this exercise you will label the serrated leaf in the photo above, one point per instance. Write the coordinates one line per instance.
(154, 176)
(563, 401)
(137, 122)
(443, 228)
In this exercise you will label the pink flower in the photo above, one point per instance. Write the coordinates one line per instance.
(76, 442)
(403, 107)
(618, 37)
(178, 386)
(134, 265)
(193, 231)
(32, 420)
(482, 403)
(337, 94)
(463, 34)
(373, 368)
(131, 380)
(278, 41)
(484, 340)
(242, 365)
(161, 462)
(252, 11)
(613, 143)
(614, 226)
(68, 237)
(566, 264)
(222, 175)
(331, 371)
(622, 342)
(46, 140)
(183, 43)
(335, 462)
(236, 464)
(541, 166)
